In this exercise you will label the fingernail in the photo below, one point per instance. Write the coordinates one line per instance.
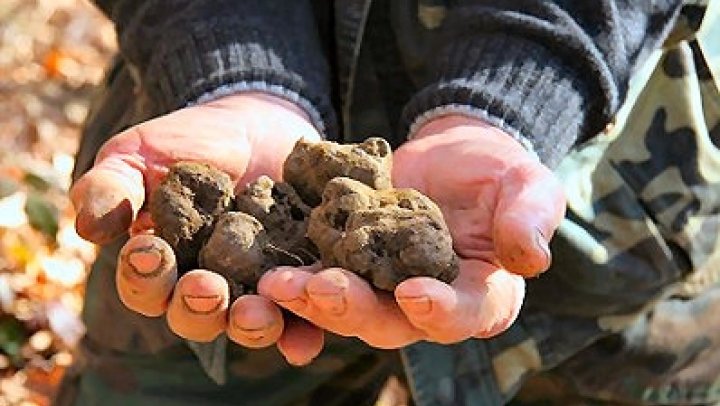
(416, 304)
(145, 261)
(296, 304)
(202, 304)
(330, 302)
(253, 334)
(106, 218)
(542, 244)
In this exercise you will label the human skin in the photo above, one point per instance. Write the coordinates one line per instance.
(500, 203)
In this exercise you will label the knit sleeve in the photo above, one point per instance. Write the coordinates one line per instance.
(182, 51)
(552, 73)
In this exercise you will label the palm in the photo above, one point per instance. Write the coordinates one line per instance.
(500, 203)
(212, 133)
(232, 136)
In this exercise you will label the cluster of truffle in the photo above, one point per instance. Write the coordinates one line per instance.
(337, 205)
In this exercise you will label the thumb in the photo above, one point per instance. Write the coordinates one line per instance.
(530, 207)
(107, 199)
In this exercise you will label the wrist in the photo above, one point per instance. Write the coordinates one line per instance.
(263, 101)
(274, 94)
(453, 124)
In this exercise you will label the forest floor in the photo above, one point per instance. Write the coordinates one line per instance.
(52, 57)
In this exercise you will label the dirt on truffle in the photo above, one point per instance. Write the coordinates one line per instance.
(238, 249)
(185, 206)
(284, 216)
(311, 165)
(385, 236)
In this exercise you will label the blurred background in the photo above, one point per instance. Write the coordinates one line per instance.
(52, 57)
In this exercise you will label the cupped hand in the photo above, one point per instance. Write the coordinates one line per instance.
(502, 206)
(245, 135)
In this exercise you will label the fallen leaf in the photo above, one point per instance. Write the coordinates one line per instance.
(42, 214)
(12, 337)
(8, 187)
(65, 323)
(65, 271)
(41, 341)
(12, 213)
(7, 295)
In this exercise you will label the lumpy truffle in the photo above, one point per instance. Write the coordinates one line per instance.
(186, 204)
(385, 236)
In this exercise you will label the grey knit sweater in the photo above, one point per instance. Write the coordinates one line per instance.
(550, 72)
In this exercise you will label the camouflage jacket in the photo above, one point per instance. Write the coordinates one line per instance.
(627, 314)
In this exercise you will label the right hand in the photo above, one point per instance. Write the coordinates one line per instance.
(244, 135)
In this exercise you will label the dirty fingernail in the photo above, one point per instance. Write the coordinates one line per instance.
(416, 304)
(202, 304)
(145, 261)
(253, 334)
(102, 220)
(330, 302)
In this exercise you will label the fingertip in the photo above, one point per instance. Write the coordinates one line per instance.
(254, 322)
(522, 249)
(199, 305)
(106, 203)
(301, 342)
(284, 284)
(503, 302)
(146, 274)
(101, 224)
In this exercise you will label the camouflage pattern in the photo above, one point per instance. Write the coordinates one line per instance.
(628, 312)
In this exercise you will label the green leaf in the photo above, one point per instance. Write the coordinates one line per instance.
(43, 215)
(8, 187)
(12, 337)
(37, 182)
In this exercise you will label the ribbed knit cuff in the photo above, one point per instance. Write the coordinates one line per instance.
(469, 111)
(275, 90)
(521, 86)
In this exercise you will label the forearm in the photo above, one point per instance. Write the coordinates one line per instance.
(184, 51)
(548, 73)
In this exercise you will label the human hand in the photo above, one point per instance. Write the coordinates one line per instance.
(501, 206)
(245, 135)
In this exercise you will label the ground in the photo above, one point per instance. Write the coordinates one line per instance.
(52, 57)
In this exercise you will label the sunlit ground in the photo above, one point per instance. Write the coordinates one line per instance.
(52, 57)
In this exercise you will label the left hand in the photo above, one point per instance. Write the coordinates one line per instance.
(502, 206)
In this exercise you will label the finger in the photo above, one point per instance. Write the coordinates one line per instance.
(146, 274)
(345, 299)
(107, 199)
(198, 308)
(285, 286)
(530, 208)
(384, 325)
(301, 341)
(349, 306)
(254, 322)
(481, 302)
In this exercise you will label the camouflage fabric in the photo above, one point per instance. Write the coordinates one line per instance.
(628, 312)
